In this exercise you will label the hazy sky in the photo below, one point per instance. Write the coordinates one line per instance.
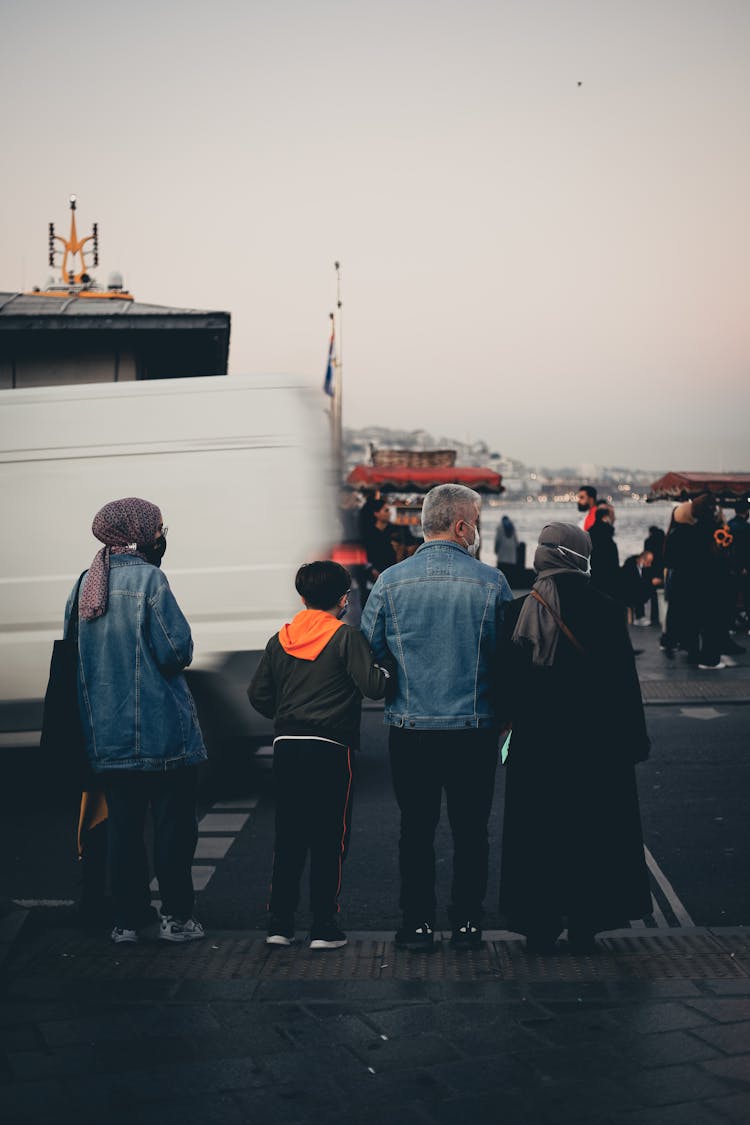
(540, 206)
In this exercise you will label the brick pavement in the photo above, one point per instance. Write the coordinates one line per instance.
(656, 1029)
(653, 1031)
(665, 680)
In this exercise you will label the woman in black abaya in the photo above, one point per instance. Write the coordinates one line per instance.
(572, 843)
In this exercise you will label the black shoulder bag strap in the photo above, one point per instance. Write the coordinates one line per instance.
(71, 633)
(560, 623)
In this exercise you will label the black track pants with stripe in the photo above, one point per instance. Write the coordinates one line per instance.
(313, 787)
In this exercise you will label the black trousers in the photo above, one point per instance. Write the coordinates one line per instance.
(313, 789)
(171, 795)
(423, 764)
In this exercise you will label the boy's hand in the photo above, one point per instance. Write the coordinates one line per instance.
(389, 666)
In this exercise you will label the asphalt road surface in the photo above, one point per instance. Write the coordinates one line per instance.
(693, 801)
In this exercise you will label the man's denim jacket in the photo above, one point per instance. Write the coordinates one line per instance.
(438, 614)
(137, 710)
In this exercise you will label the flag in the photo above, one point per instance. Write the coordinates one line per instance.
(328, 382)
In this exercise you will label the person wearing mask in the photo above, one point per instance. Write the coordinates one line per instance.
(438, 616)
(572, 851)
(141, 730)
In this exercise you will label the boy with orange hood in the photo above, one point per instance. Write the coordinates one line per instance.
(310, 681)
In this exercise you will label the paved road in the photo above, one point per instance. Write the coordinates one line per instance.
(693, 805)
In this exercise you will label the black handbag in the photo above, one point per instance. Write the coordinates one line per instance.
(62, 730)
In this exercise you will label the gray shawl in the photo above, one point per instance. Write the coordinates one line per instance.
(563, 549)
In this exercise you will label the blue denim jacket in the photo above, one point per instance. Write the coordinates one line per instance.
(438, 614)
(137, 710)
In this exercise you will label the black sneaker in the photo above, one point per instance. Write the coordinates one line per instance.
(466, 935)
(326, 935)
(419, 937)
(582, 943)
(280, 931)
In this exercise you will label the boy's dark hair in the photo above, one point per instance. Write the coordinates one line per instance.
(589, 490)
(321, 584)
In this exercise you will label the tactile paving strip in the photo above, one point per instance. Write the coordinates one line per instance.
(684, 954)
(693, 691)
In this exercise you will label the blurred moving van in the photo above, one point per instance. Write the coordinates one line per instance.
(241, 469)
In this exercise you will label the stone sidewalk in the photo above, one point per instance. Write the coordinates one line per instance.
(673, 680)
(654, 1030)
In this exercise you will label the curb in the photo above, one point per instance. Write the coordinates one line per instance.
(12, 922)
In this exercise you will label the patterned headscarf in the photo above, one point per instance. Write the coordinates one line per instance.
(122, 525)
(563, 549)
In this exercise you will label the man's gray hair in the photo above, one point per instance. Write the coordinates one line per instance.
(445, 504)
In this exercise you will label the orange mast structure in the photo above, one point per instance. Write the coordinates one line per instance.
(75, 279)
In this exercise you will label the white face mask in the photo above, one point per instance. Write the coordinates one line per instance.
(472, 548)
(569, 551)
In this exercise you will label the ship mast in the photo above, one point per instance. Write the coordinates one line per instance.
(77, 259)
(73, 248)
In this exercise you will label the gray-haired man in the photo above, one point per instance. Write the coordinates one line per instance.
(437, 614)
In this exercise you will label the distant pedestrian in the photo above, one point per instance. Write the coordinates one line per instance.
(605, 559)
(506, 549)
(438, 615)
(572, 844)
(740, 529)
(654, 542)
(311, 680)
(142, 734)
(696, 619)
(586, 501)
(637, 585)
(379, 536)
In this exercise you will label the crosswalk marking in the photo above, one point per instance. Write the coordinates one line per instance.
(240, 803)
(29, 903)
(679, 911)
(201, 875)
(212, 847)
(701, 713)
(223, 822)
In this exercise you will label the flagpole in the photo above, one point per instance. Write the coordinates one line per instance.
(338, 442)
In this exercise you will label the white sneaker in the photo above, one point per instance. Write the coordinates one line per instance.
(171, 929)
(641, 621)
(121, 936)
(712, 667)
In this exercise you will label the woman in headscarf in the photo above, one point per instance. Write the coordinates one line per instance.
(142, 735)
(572, 843)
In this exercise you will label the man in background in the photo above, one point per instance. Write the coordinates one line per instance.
(586, 501)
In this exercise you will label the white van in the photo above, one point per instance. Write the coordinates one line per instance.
(241, 469)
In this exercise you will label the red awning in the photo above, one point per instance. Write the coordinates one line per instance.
(421, 480)
(684, 486)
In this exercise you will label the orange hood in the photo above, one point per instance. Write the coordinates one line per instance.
(308, 633)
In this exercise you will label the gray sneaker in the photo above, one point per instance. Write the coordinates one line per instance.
(172, 929)
(122, 936)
